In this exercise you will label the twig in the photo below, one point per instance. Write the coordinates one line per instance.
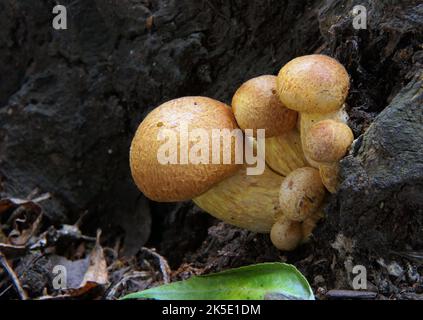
(5, 290)
(135, 275)
(416, 256)
(21, 292)
(280, 296)
(350, 294)
(164, 266)
(78, 223)
(32, 194)
(41, 198)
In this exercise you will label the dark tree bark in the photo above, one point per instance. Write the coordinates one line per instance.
(380, 201)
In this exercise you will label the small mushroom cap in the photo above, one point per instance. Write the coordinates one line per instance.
(328, 141)
(307, 120)
(286, 234)
(256, 105)
(179, 182)
(313, 83)
(301, 194)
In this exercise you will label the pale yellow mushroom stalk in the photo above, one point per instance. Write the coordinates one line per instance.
(284, 153)
(246, 201)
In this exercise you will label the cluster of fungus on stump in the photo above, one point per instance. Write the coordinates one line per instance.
(301, 111)
(316, 86)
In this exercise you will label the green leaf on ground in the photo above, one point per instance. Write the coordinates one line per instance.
(254, 282)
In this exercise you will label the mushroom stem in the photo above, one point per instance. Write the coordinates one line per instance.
(284, 153)
(246, 201)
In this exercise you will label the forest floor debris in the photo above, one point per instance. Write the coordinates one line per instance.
(31, 250)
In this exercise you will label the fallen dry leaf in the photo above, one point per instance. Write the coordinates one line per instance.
(85, 274)
(97, 270)
(25, 228)
(9, 203)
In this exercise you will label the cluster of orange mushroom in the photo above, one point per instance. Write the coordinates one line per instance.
(302, 112)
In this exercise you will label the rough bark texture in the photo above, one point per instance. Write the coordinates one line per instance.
(71, 100)
(380, 202)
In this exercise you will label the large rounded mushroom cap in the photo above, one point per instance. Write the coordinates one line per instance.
(256, 105)
(178, 181)
(313, 84)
